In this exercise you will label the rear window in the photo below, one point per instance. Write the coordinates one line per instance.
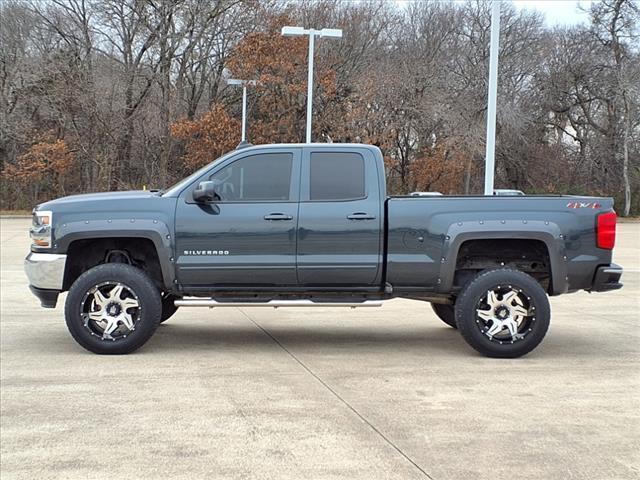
(336, 176)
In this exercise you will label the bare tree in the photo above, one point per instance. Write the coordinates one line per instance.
(102, 84)
(615, 24)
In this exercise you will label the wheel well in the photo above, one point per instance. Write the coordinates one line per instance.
(529, 256)
(85, 254)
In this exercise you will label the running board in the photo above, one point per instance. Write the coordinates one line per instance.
(211, 303)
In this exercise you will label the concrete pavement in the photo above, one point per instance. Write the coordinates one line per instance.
(321, 393)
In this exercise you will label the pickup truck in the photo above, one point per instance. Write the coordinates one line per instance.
(308, 225)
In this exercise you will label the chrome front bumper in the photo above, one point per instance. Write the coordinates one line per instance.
(45, 270)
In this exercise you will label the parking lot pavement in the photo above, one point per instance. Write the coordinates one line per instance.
(321, 393)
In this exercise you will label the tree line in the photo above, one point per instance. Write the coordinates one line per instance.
(120, 94)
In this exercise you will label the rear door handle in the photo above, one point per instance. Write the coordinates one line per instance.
(278, 216)
(360, 216)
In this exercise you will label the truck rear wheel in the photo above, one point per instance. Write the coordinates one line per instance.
(446, 313)
(113, 309)
(503, 313)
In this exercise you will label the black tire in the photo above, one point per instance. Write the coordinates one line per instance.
(446, 313)
(168, 307)
(146, 315)
(532, 327)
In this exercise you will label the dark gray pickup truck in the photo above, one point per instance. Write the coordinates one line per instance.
(311, 225)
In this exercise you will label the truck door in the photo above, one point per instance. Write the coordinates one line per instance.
(248, 236)
(340, 218)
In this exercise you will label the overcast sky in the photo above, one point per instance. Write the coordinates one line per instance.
(557, 12)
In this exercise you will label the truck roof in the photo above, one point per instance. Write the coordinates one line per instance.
(312, 145)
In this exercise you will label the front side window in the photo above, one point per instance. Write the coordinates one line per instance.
(336, 176)
(257, 178)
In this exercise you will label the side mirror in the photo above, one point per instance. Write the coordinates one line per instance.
(205, 192)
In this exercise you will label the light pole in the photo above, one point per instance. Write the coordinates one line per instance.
(326, 33)
(490, 151)
(244, 83)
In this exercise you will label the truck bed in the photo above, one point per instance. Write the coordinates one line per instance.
(425, 233)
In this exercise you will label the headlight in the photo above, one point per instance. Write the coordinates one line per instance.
(40, 232)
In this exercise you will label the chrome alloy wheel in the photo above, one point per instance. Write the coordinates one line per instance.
(505, 314)
(110, 310)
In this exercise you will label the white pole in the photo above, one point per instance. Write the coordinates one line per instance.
(326, 33)
(490, 152)
(244, 112)
(310, 85)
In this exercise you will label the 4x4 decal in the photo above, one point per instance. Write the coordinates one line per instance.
(592, 205)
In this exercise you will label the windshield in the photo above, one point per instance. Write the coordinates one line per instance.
(177, 188)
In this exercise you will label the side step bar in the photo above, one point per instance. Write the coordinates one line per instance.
(211, 303)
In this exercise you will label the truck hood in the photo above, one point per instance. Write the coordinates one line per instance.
(113, 204)
(131, 195)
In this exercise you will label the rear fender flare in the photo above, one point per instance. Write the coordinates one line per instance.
(547, 232)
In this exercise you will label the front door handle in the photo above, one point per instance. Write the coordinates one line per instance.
(278, 216)
(360, 216)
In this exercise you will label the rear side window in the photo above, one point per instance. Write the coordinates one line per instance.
(336, 176)
(263, 177)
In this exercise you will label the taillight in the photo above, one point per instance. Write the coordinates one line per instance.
(606, 230)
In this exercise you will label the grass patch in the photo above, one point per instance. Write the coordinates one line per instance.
(15, 213)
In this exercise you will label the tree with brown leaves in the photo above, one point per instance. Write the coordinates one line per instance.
(208, 137)
(43, 167)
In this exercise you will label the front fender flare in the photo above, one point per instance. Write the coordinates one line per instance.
(156, 231)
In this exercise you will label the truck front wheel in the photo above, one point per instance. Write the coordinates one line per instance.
(446, 313)
(113, 309)
(503, 313)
